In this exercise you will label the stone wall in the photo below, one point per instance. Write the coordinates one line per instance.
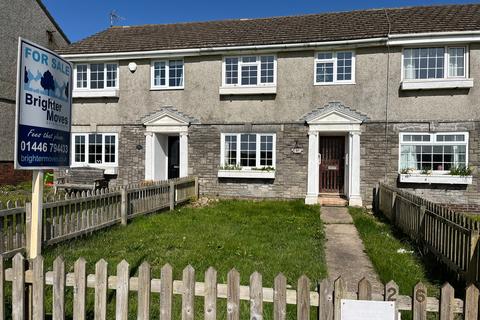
(380, 155)
(291, 169)
(131, 153)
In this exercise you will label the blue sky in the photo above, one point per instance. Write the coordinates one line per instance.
(82, 18)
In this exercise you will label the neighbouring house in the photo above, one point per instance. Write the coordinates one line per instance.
(31, 20)
(287, 107)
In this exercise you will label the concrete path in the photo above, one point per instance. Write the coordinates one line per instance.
(345, 251)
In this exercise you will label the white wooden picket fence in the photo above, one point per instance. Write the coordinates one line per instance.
(82, 213)
(29, 287)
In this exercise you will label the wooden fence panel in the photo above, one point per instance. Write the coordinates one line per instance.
(58, 289)
(327, 298)
(210, 304)
(121, 310)
(144, 288)
(303, 298)
(451, 237)
(256, 296)
(38, 290)
(80, 290)
(233, 295)
(188, 296)
(18, 288)
(166, 292)
(101, 283)
(78, 214)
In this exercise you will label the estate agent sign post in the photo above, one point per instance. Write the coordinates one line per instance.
(42, 131)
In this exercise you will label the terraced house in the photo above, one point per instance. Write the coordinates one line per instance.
(287, 107)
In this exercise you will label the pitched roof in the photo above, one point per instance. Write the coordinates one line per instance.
(362, 24)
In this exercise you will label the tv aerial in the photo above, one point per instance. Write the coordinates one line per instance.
(114, 17)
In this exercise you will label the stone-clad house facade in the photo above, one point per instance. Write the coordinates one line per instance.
(288, 107)
(31, 20)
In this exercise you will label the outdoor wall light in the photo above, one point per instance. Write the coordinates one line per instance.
(139, 147)
(132, 66)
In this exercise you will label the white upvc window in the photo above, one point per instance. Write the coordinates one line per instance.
(249, 71)
(95, 149)
(167, 74)
(248, 150)
(334, 67)
(96, 76)
(433, 152)
(435, 63)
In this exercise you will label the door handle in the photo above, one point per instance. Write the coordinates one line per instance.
(319, 158)
(176, 167)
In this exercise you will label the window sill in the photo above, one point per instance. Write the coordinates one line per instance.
(333, 83)
(109, 93)
(249, 174)
(248, 90)
(437, 84)
(435, 179)
(107, 169)
(166, 88)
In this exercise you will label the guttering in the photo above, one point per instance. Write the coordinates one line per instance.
(434, 37)
(221, 50)
(392, 40)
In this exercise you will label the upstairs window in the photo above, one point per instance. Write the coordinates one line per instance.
(335, 67)
(167, 74)
(248, 150)
(434, 63)
(96, 76)
(249, 71)
(95, 149)
(438, 152)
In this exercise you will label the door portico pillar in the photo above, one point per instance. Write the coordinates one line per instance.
(354, 197)
(183, 154)
(149, 156)
(312, 178)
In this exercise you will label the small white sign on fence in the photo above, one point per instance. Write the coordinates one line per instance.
(367, 310)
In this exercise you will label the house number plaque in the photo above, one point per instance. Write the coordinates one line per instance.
(332, 167)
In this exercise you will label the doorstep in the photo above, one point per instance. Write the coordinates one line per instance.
(332, 200)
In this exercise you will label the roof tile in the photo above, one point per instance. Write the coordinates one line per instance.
(280, 30)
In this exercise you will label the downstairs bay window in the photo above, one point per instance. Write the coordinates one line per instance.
(434, 157)
(247, 155)
(95, 150)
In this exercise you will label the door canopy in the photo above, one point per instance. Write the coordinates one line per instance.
(168, 119)
(334, 116)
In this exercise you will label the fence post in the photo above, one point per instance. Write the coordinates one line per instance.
(421, 225)
(28, 226)
(393, 211)
(376, 194)
(124, 207)
(196, 188)
(472, 270)
(172, 194)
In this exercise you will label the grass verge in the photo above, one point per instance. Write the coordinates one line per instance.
(392, 255)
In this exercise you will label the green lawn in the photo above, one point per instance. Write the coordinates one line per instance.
(392, 255)
(266, 236)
